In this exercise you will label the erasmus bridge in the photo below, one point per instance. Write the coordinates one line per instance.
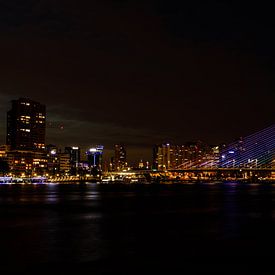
(256, 151)
(247, 157)
(250, 157)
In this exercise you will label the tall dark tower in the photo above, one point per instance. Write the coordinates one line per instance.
(74, 153)
(120, 157)
(26, 125)
(94, 157)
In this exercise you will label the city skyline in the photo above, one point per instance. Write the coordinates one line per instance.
(140, 73)
(110, 152)
(137, 136)
(37, 111)
(26, 153)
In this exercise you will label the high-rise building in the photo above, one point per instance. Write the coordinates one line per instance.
(162, 156)
(94, 156)
(64, 163)
(26, 125)
(120, 161)
(53, 159)
(74, 153)
(189, 155)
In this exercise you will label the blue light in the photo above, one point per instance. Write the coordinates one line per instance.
(259, 145)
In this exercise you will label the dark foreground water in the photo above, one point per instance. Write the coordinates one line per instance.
(105, 229)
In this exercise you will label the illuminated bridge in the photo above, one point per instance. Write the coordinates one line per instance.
(256, 151)
(249, 158)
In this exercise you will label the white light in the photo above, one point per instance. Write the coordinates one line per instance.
(93, 150)
(75, 148)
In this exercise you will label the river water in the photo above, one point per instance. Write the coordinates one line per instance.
(137, 229)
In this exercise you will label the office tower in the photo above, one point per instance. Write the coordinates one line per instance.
(26, 125)
(53, 159)
(188, 155)
(94, 157)
(74, 153)
(64, 163)
(155, 157)
(162, 156)
(120, 161)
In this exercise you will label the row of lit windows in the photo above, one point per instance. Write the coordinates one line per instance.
(39, 145)
(25, 130)
(40, 160)
(25, 119)
(40, 115)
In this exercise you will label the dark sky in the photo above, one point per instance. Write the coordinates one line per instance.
(140, 72)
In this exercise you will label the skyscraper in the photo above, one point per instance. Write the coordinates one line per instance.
(191, 154)
(120, 157)
(94, 157)
(74, 153)
(26, 125)
(162, 156)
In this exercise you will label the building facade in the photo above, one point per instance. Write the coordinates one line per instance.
(94, 158)
(26, 125)
(189, 155)
(74, 153)
(120, 160)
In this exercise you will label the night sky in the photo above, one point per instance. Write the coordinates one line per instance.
(140, 72)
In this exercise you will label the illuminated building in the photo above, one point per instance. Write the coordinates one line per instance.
(141, 164)
(189, 155)
(53, 159)
(26, 137)
(3, 151)
(27, 162)
(94, 157)
(155, 157)
(26, 125)
(74, 153)
(120, 161)
(4, 166)
(64, 163)
(162, 156)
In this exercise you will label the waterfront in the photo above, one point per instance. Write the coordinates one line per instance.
(135, 229)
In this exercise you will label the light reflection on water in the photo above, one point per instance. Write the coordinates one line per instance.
(89, 222)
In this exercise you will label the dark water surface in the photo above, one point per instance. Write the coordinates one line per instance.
(131, 229)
